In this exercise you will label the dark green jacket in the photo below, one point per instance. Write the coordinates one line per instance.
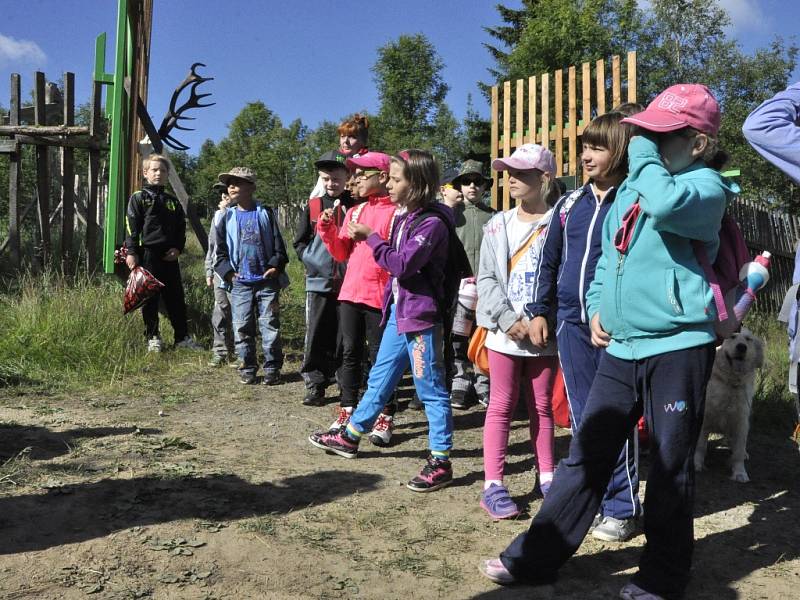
(470, 219)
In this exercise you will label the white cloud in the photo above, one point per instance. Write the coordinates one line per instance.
(15, 53)
(746, 15)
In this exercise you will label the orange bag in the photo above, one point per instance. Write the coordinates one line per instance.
(477, 352)
(560, 402)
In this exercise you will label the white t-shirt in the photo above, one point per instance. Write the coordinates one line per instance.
(521, 282)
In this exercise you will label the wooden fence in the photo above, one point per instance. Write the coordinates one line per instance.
(772, 230)
(536, 108)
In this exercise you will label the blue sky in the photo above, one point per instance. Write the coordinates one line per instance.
(308, 59)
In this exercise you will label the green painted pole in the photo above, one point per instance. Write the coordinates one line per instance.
(118, 160)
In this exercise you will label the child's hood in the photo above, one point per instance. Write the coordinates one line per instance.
(699, 170)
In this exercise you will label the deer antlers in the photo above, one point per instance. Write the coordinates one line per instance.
(175, 114)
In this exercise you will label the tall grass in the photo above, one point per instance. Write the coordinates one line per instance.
(62, 331)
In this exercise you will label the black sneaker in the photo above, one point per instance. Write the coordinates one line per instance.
(247, 378)
(458, 399)
(314, 396)
(272, 378)
(483, 400)
(415, 403)
(436, 474)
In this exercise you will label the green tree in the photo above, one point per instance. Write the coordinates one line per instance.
(408, 76)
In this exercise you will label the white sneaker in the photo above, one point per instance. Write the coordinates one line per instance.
(342, 418)
(188, 343)
(154, 344)
(381, 433)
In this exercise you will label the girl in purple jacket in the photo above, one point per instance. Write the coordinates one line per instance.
(415, 257)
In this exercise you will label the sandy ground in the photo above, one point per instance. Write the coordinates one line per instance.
(223, 497)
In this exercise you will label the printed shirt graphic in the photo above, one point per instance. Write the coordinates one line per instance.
(252, 259)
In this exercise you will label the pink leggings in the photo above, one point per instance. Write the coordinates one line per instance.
(538, 374)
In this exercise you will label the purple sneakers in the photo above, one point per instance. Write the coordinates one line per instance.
(496, 501)
(336, 442)
(495, 570)
(436, 474)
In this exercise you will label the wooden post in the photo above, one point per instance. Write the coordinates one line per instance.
(546, 110)
(520, 115)
(532, 109)
(14, 176)
(616, 81)
(559, 122)
(600, 74)
(68, 177)
(573, 122)
(632, 76)
(93, 178)
(495, 139)
(42, 172)
(586, 88)
(506, 140)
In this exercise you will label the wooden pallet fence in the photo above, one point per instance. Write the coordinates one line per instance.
(544, 110)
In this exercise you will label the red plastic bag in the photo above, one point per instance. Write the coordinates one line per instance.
(141, 286)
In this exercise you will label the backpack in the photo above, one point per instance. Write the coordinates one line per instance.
(723, 275)
(456, 267)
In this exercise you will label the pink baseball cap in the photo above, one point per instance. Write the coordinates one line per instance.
(679, 106)
(370, 160)
(528, 156)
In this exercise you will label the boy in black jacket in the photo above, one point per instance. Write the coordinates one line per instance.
(156, 235)
(323, 279)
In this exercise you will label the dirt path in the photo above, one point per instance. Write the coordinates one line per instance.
(223, 497)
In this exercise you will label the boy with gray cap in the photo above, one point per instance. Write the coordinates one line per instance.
(251, 257)
(222, 347)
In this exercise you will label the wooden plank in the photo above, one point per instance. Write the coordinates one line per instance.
(506, 139)
(14, 177)
(495, 139)
(42, 173)
(586, 88)
(616, 81)
(532, 109)
(573, 121)
(559, 98)
(600, 75)
(47, 130)
(86, 143)
(68, 178)
(545, 110)
(632, 76)
(9, 146)
(93, 178)
(519, 111)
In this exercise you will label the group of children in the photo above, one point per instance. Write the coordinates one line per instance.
(600, 286)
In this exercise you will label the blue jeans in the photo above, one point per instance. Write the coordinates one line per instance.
(251, 302)
(422, 351)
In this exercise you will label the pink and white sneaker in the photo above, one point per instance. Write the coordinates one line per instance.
(381, 433)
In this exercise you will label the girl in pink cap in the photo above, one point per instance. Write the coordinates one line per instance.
(652, 310)
(509, 257)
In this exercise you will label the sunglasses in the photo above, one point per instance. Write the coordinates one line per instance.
(622, 238)
(476, 179)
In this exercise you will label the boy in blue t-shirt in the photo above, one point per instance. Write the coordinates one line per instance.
(251, 257)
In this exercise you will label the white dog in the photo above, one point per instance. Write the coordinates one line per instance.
(729, 398)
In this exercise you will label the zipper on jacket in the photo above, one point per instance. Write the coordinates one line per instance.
(618, 294)
(581, 299)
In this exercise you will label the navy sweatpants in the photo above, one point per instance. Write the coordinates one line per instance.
(670, 389)
(579, 361)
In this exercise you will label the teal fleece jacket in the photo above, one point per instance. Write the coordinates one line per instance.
(655, 298)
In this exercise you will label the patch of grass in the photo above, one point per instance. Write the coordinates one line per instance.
(16, 470)
(266, 525)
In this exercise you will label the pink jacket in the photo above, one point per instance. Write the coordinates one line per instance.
(364, 281)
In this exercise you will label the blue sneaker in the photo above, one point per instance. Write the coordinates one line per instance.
(496, 501)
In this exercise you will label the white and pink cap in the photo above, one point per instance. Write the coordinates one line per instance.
(679, 106)
(526, 157)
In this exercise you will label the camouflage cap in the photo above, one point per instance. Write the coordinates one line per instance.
(238, 173)
(471, 167)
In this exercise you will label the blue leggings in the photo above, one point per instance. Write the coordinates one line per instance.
(422, 351)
